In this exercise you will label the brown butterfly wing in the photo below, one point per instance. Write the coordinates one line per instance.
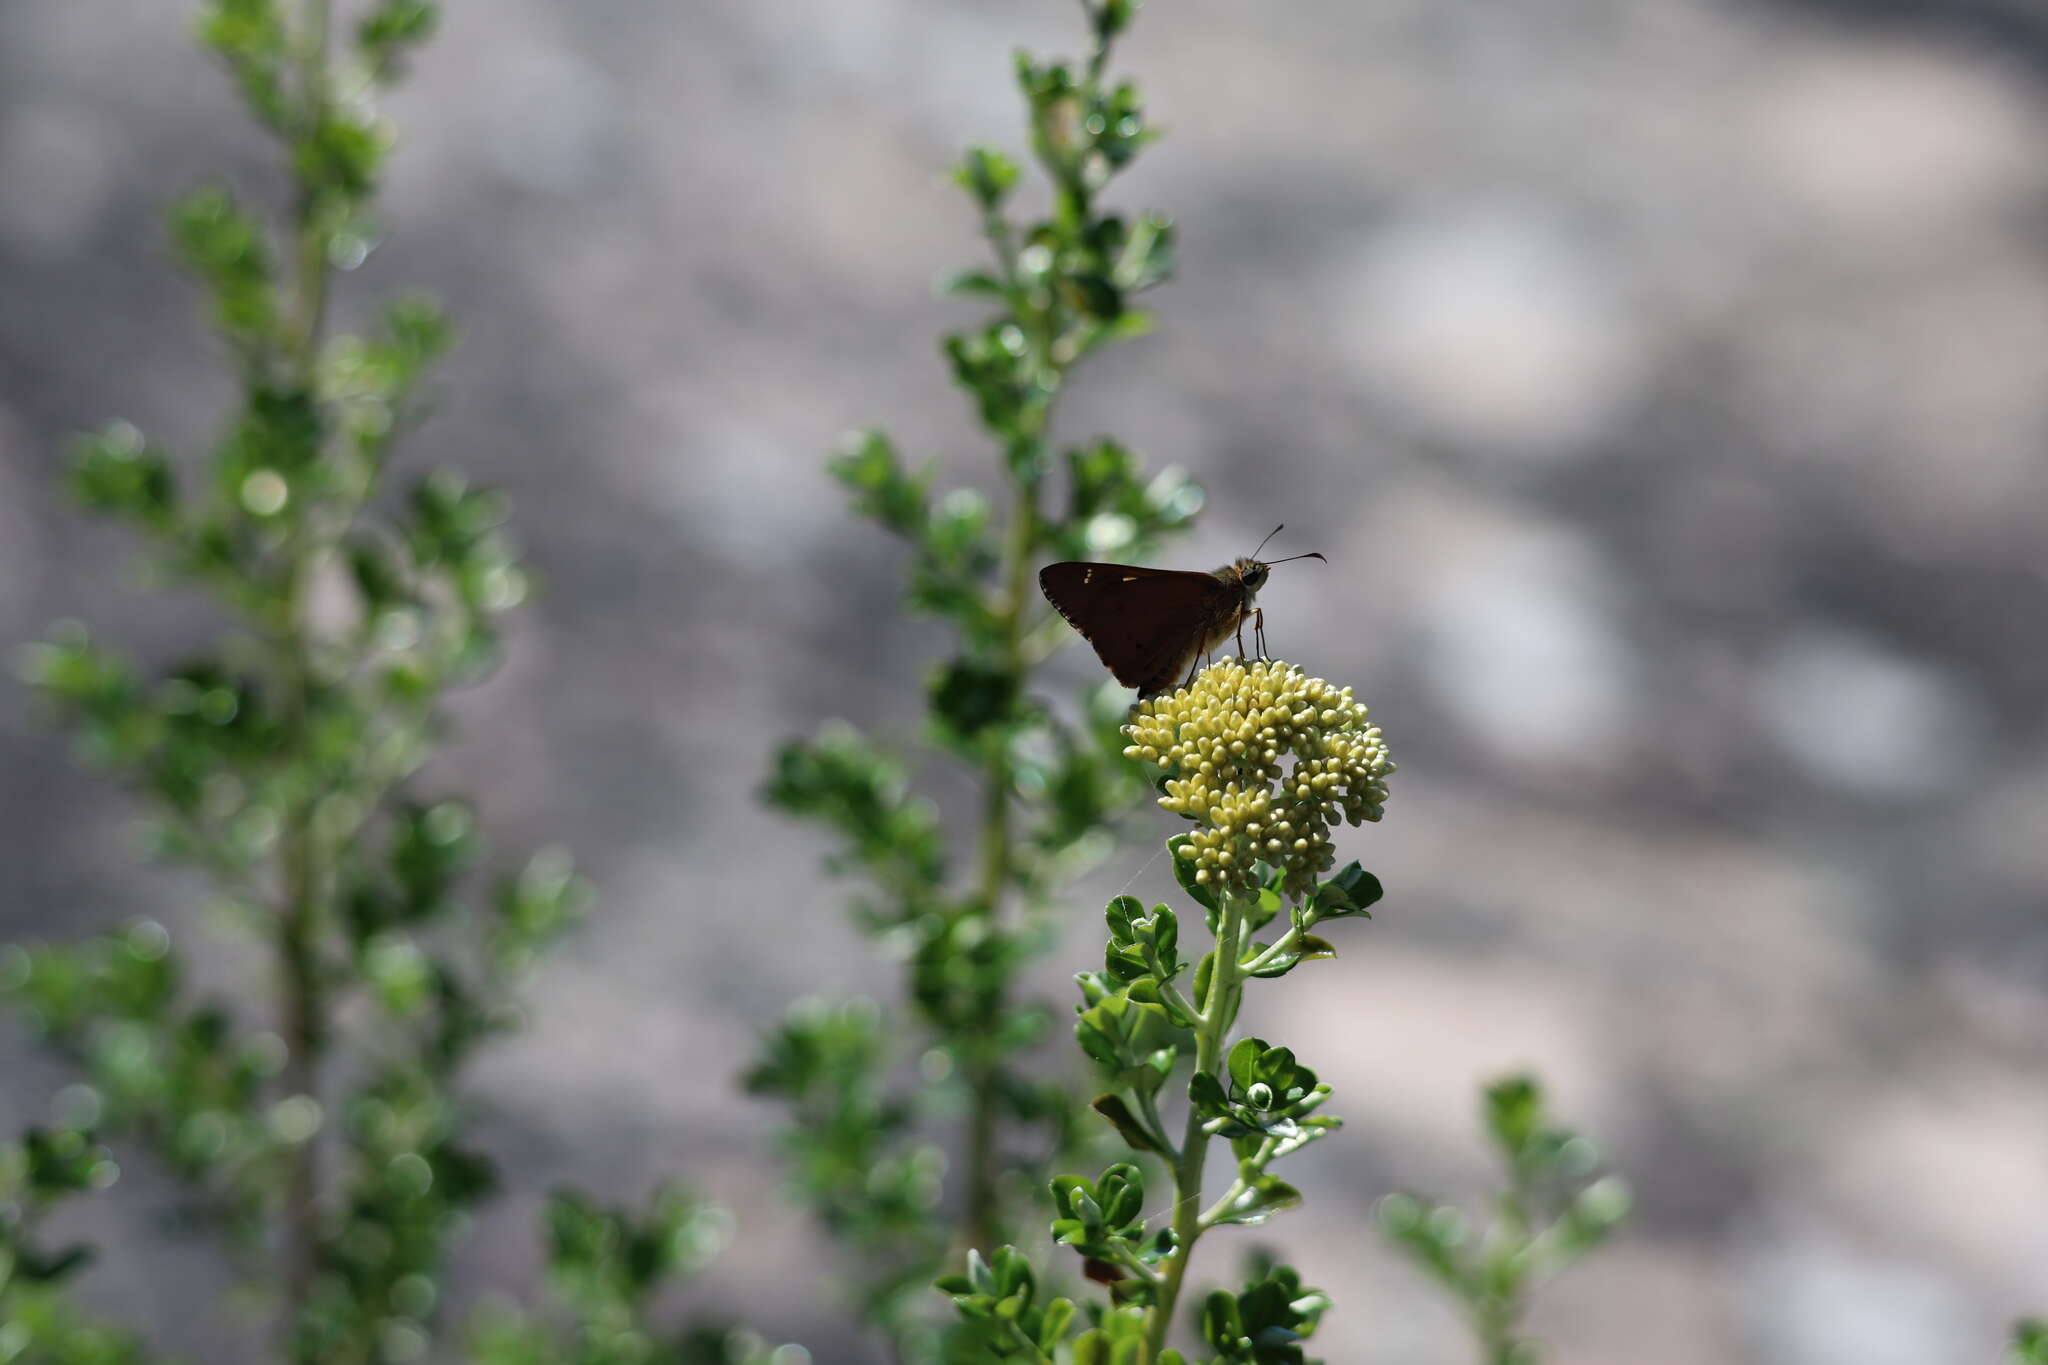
(1146, 624)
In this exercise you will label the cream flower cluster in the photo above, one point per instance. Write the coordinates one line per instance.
(1266, 760)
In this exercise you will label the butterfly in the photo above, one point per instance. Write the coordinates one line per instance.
(1150, 627)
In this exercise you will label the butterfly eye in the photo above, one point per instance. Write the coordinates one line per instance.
(1255, 577)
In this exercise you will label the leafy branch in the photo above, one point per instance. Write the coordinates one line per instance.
(1060, 286)
(1265, 761)
(1557, 1208)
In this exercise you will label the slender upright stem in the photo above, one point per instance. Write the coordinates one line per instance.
(309, 234)
(980, 1226)
(996, 859)
(981, 1223)
(302, 1005)
(1499, 1304)
(303, 1009)
(1219, 1009)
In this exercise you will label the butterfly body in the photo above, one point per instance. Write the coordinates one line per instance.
(1150, 626)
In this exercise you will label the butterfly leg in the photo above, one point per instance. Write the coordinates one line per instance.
(1259, 630)
(1240, 637)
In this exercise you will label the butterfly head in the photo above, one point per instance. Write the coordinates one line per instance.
(1249, 573)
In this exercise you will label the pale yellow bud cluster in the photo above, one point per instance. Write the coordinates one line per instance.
(1266, 760)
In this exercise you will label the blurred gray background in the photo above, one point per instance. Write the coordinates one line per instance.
(1666, 380)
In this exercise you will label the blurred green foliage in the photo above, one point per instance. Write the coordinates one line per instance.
(607, 1265)
(325, 1143)
(865, 1143)
(1557, 1207)
(39, 1171)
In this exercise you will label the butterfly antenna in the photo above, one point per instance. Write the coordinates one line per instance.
(1269, 535)
(1310, 555)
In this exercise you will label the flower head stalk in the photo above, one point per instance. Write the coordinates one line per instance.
(1267, 762)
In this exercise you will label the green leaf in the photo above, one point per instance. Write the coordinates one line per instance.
(1263, 1197)
(231, 253)
(986, 174)
(1123, 1196)
(862, 793)
(1184, 873)
(966, 283)
(1147, 254)
(1111, 18)
(1094, 296)
(1166, 937)
(1350, 892)
(1014, 1276)
(1066, 1189)
(1059, 1315)
(1514, 1113)
(416, 332)
(883, 490)
(1098, 1045)
(342, 153)
(47, 1268)
(969, 698)
(393, 25)
(114, 471)
(1128, 325)
(1128, 1125)
(1245, 1061)
(1595, 1212)
(1206, 1094)
(1308, 948)
(1314, 949)
(1221, 1326)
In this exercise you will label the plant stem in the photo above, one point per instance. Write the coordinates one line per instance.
(1286, 944)
(303, 1005)
(980, 1226)
(1023, 450)
(983, 1196)
(309, 284)
(1226, 983)
(303, 1008)
(1499, 1299)
(1238, 1186)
